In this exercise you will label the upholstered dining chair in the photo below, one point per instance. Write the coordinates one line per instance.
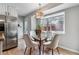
(53, 44)
(29, 43)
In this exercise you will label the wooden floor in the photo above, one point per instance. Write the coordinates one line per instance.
(21, 46)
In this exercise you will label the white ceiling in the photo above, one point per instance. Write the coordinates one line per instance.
(26, 8)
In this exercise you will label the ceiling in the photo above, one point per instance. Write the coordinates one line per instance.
(26, 8)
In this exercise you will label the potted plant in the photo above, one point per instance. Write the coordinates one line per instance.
(38, 29)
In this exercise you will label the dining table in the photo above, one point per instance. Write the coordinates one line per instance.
(40, 40)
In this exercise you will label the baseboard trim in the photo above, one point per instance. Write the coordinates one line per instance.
(75, 51)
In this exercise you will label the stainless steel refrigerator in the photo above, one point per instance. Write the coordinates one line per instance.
(9, 28)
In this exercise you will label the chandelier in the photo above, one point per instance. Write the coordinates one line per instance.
(39, 13)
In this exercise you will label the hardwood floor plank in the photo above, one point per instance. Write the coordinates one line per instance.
(21, 47)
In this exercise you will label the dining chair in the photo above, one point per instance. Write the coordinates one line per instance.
(34, 36)
(52, 45)
(29, 43)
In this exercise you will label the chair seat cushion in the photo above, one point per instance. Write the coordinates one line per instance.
(35, 42)
(46, 43)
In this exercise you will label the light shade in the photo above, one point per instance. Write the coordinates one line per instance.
(39, 14)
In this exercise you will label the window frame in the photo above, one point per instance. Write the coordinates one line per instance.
(55, 15)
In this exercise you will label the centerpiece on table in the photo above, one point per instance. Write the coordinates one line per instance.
(38, 29)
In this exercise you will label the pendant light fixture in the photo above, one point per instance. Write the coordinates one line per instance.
(39, 13)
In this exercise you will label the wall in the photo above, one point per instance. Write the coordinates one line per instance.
(28, 21)
(20, 28)
(70, 40)
(29, 24)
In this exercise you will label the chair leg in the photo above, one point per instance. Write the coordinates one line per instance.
(43, 49)
(30, 51)
(58, 50)
(52, 52)
(25, 50)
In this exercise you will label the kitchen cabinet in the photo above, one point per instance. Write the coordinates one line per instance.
(8, 10)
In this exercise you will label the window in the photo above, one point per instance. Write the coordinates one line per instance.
(54, 23)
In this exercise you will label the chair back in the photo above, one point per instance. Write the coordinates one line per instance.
(28, 41)
(55, 42)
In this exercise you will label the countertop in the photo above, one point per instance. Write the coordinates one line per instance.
(1, 36)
